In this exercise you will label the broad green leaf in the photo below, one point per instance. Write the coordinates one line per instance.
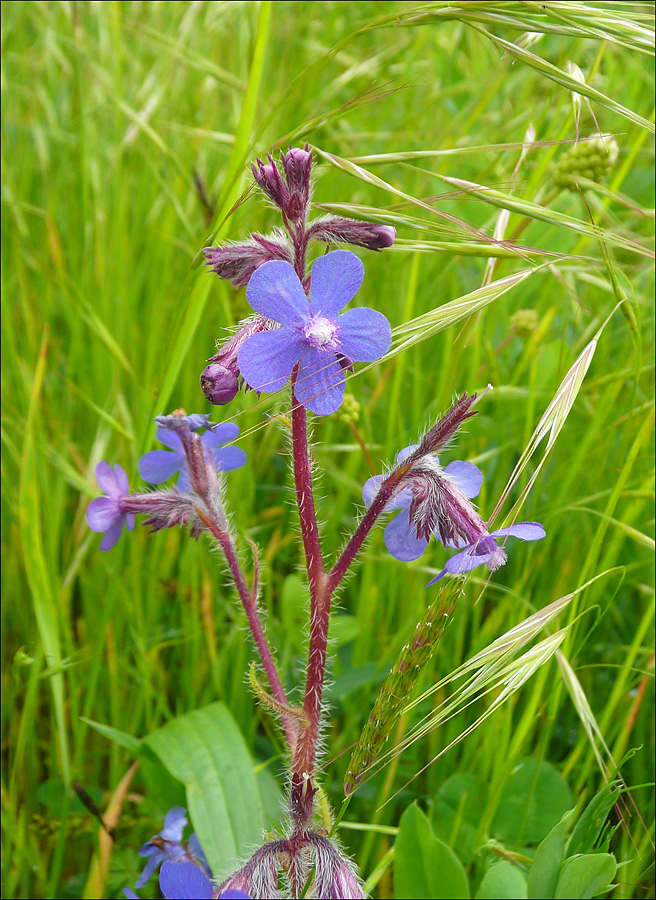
(586, 876)
(534, 799)
(205, 750)
(423, 865)
(549, 857)
(502, 881)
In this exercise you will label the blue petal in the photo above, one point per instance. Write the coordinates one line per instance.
(365, 334)
(336, 279)
(174, 824)
(170, 439)
(184, 881)
(266, 359)
(465, 476)
(321, 383)
(130, 894)
(150, 867)
(405, 453)
(158, 465)
(275, 292)
(112, 535)
(525, 531)
(401, 539)
(106, 478)
(102, 513)
(371, 488)
(225, 433)
(227, 459)
(466, 561)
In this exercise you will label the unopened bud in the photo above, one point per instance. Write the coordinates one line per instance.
(297, 165)
(220, 385)
(338, 230)
(592, 160)
(220, 379)
(237, 262)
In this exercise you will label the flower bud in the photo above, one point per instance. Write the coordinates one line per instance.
(338, 230)
(270, 180)
(220, 379)
(237, 262)
(220, 385)
(297, 165)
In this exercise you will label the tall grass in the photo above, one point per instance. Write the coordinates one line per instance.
(418, 116)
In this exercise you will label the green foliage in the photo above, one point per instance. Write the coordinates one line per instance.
(205, 750)
(424, 866)
(418, 114)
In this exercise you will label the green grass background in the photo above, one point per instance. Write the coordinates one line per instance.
(108, 109)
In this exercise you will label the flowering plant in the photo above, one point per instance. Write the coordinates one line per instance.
(299, 335)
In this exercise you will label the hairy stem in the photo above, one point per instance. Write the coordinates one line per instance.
(361, 533)
(250, 607)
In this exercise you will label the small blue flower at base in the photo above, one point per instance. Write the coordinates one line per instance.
(184, 881)
(104, 513)
(400, 535)
(486, 550)
(158, 465)
(234, 895)
(313, 334)
(164, 846)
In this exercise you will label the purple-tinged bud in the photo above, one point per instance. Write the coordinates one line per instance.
(297, 165)
(437, 437)
(259, 877)
(270, 180)
(220, 379)
(165, 509)
(220, 385)
(237, 262)
(334, 876)
(338, 230)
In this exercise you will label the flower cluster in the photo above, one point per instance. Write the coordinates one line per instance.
(196, 458)
(292, 329)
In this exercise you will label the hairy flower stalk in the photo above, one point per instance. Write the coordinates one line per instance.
(303, 336)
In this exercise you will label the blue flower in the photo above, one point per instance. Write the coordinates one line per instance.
(164, 846)
(401, 535)
(485, 551)
(313, 333)
(104, 514)
(184, 881)
(159, 465)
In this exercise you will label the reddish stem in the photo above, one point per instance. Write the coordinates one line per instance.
(360, 534)
(250, 608)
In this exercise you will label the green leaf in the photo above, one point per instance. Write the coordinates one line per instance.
(121, 738)
(205, 750)
(593, 818)
(344, 629)
(549, 857)
(423, 865)
(534, 799)
(586, 876)
(457, 812)
(502, 881)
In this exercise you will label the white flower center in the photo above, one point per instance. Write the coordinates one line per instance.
(321, 332)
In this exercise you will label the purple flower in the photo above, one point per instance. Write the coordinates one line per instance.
(105, 514)
(404, 538)
(164, 846)
(313, 333)
(234, 895)
(486, 550)
(183, 880)
(159, 465)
